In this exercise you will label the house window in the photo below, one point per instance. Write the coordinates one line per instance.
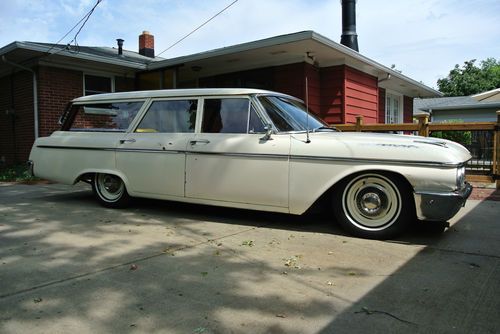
(93, 84)
(393, 108)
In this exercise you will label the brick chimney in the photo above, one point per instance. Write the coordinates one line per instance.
(147, 44)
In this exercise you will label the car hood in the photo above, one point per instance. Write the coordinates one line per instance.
(380, 147)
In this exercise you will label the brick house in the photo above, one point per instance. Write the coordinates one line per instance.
(37, 80)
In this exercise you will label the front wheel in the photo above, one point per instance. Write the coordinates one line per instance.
(110, 190)
(373, 205)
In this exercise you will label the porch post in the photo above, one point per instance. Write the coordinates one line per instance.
(496, 151)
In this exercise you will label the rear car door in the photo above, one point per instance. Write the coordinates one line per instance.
(152, 157)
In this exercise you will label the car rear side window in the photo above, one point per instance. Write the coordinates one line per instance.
(230, 115)
(104, 117)
(169, 117)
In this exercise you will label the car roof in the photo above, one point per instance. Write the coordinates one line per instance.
(165, 93)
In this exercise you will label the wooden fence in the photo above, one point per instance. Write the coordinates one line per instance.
(424, 128)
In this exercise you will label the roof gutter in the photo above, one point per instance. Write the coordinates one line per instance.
(80, 55)
(35, 91)
(493, 105)
(366, 60)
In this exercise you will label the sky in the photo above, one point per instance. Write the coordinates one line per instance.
(423, 38)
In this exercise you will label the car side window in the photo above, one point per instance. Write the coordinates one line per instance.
(104, 117)
(230, 116)
(170, 116)
(255, 123)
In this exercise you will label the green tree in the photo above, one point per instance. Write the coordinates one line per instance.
(471, 79)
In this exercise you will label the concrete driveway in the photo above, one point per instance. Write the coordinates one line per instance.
(69, 265)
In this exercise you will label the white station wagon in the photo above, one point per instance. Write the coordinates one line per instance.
(250, 149)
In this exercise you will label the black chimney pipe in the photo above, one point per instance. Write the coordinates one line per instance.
(120, 45)
(349, 37)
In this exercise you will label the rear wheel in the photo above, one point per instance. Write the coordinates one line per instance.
(373, 205)
(110, 190)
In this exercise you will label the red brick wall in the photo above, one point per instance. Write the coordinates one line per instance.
(55, 89)
(408, 109)
(16, 134)
(360, 96)
(332, 94)
(381, 105)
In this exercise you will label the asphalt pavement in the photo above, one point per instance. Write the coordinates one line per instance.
(69, 265)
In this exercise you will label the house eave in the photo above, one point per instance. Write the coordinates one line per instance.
(493, 105)
(345, 55)
(83, 56)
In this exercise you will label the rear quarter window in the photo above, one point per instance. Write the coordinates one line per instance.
(105, 117)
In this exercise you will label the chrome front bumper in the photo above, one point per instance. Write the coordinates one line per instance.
(440, 206)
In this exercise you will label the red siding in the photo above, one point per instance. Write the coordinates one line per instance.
(381, 105)
(332, 92)
(314, 94)
(55, 89)
(407, 109)
(17, 128)
(290, 79)
(361, 96)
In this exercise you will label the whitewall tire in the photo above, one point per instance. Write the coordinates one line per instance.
(110, 190)
(373, 205)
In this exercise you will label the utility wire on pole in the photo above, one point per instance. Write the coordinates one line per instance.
(199, 27)
(84, 19)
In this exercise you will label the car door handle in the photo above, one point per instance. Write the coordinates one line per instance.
(123, 141)
(199, 141)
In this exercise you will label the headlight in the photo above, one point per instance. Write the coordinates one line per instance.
(460, 177)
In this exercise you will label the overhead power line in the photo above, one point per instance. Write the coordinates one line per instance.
(199, 27)
(84, 19)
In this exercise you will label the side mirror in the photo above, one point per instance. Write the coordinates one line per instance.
(269, 132)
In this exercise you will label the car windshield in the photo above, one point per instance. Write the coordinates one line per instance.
(289, 114)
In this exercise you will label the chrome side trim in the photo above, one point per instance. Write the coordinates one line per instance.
(249, 155)
(274, 156)
(378, 161)
(138, 150)
(77, 148)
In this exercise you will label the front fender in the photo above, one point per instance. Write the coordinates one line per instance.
(309, 181)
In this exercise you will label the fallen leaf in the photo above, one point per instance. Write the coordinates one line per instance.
(249, 243)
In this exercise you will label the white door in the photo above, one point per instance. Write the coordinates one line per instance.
(228, 160)
(393, 109)
(153, 156)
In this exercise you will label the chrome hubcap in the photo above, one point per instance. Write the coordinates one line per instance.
(111, 184)
(371, 202)
(110, 187)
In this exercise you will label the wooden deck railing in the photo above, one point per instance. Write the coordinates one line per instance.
(424, 128)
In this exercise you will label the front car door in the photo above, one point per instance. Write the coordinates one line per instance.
(152, 157)
(229, 161)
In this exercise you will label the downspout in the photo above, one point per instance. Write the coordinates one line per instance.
(35, 91)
